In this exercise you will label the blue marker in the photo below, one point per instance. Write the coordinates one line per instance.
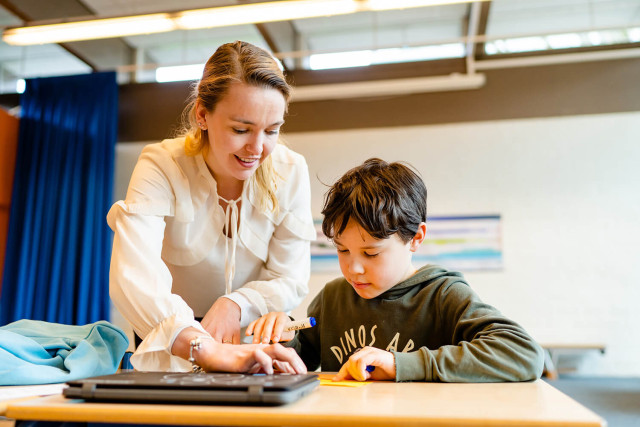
(370, 368)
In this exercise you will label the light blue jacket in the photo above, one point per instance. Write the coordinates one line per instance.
(36, 352)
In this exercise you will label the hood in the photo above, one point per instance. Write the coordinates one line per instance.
(428, 273)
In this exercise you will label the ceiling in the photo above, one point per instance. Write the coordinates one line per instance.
(503, 29)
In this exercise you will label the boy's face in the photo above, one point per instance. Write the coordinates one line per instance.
(373, 266)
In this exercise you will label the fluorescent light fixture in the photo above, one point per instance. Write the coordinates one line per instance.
(634, 34)
(490, 48)
(391, 87)
(526, 44)
(263, 12)
(501, 46)
(564, 41)
(89, 30)
(325, 61)
(179, 73)
(252, 13)
(21, 85)
(595, 38)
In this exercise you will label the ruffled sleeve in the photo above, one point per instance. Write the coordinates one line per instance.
(139, 281)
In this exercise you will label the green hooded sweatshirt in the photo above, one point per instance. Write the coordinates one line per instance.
(435, 325)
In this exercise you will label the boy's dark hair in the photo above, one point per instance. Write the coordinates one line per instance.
(383, 198)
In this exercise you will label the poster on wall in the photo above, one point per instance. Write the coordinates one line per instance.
(462, 243)
(324, 257)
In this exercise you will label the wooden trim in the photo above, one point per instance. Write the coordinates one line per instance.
(8, 148)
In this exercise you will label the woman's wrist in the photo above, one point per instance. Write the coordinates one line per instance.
(195, 346)
(182, 346)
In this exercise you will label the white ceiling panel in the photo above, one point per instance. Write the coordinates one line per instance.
(370, 30)
(411, 35)
(191, 47)
(7, 19)
(193, 36)
(513, 17)
(417, 16)
(139, 7)
(41, 61)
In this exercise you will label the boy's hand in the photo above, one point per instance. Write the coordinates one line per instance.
(270, 327)
(356, 367)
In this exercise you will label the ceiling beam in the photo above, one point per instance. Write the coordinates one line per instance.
(99, 55)
(472, 30)
(485, 7)
(281, 37)
(28, 11)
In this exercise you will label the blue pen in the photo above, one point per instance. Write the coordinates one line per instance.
(370, 368)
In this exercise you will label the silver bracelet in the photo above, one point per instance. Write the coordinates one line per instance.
(195, 344)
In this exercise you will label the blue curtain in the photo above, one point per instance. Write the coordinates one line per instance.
(59, 245)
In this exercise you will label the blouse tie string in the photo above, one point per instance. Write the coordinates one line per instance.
(231, 226)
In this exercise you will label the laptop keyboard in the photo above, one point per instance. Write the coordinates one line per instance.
(224, 379)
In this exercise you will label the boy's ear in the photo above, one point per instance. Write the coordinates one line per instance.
(419, 237)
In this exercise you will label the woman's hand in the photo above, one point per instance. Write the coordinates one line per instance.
(270, 327)
(251, 358)
(222, 321)
(212, 355)
(382, 365)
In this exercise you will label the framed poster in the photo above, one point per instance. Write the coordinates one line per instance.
(464, 243)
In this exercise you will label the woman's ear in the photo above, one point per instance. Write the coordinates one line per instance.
(419, 237)
(201, 116)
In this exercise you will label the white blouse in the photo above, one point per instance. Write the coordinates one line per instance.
(168, 260)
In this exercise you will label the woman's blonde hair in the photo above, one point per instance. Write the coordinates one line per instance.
(244, 63)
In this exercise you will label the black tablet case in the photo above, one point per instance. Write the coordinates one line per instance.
(189, 388)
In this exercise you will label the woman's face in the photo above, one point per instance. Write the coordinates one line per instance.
(243, 130)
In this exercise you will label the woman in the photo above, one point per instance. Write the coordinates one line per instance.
(216, 224)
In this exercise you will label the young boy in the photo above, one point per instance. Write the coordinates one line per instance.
(387, 320)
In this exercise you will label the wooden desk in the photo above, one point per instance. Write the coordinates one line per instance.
(376, 404)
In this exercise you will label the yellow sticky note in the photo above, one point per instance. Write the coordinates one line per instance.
(343, 383)
(325, 379)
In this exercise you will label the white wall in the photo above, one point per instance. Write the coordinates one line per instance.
(568, 190)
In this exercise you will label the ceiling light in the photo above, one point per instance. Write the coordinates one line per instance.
(326, 61)
(595, 38)
(203, 18)
(564, 41)
(21, 85)
(263, 12)
(526, 44)
(361, 58)
(634, 34)
(89, 30)
(179, 73)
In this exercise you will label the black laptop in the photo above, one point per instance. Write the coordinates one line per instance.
(211, 388)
